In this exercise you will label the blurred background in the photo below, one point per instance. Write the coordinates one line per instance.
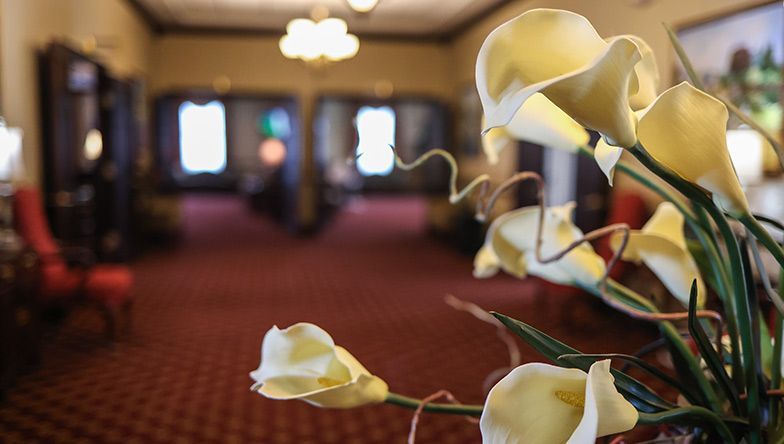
(177, 176)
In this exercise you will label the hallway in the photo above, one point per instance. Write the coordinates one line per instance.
(372, 279)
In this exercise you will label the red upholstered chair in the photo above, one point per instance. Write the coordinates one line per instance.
(105, 286)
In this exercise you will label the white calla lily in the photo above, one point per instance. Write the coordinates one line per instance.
(510, 245)
(537, 121)
(303, 362)
(685, 130)
(661, 246)
(541, 403)
(559, 54)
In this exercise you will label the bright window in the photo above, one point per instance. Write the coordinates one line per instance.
(376, 129)
(203, 137)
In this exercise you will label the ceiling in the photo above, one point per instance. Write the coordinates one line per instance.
(391, 18)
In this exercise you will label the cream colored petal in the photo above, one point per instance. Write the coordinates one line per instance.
(302, 362)
(661, 246)
(559, 54)
(614, 413)
(303, 349)
(667, 222)
(539, 121)
(685, 130)
(525, 407)
(607, 157)
(514, 241)
(486, 263)
(493, 142)
(647, 72)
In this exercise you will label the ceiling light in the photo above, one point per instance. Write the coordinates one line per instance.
(325, 40)
(362, 5)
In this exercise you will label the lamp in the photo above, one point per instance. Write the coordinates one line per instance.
(11, 170)
(317, 42)
(362, 6)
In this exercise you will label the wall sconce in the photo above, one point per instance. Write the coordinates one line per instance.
(318, 42)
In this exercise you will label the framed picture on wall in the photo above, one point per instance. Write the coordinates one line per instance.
(740, 56)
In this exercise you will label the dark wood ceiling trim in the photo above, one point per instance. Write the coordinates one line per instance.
(433, 37)
(216, 31)
(147, 17)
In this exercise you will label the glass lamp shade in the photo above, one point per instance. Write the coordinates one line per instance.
(746, 151)
(362, 5)
(12, 167)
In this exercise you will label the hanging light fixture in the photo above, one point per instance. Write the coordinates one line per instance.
(362, 6)
(325, 40)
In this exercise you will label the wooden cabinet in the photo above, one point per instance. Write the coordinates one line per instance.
(20, 329)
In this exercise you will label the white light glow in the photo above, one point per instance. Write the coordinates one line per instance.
(309, 40)
(11, 163)
(203, 137)
(93, 144)
(362, 5)
(746, 148)
(376, 130)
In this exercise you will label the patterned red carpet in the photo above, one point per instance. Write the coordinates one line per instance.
(372, 279)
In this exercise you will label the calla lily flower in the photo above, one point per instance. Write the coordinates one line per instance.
(661, 245)
(685, 130)
(303, 362)
(537, 121)
(541, 403)
(559, 54)
(510, 245)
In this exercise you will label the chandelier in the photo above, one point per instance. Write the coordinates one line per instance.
(319, 41)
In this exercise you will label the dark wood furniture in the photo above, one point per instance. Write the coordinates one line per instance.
(20, 329)
(89, 141)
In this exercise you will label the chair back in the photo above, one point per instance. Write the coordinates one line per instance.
(31, 224)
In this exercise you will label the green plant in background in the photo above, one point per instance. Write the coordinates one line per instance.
(547, 76)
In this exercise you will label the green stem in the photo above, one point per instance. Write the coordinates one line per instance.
(740, 293)
(775, 367)
(686, 416)
(672, 334)
(764, 237)
(451, 409)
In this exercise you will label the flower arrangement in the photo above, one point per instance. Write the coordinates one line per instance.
(548, 77)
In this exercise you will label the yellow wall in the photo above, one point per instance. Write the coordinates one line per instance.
(27, 25)
(254, 63)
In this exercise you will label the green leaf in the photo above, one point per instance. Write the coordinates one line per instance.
(642, 397)
(703, 263)
(712, 359)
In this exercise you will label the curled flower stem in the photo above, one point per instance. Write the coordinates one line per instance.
(418, 412)
(502, 332)
(455, 196)
(773, 295)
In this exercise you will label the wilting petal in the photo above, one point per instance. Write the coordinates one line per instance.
(607, 157)
(685, 130)
(511, 244)
(661, 246)
(303, 362)
(541, 403)
(559, 54)
(538, 121)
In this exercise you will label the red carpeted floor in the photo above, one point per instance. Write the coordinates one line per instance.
(373, 279)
